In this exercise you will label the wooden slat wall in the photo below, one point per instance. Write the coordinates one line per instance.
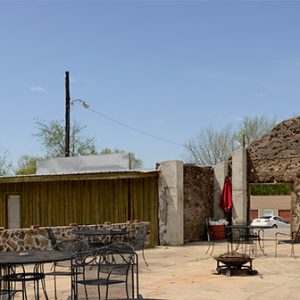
(54, 203)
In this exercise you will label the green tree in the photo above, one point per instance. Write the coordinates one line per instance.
(52, 138)
(26, 165)
(134, 162)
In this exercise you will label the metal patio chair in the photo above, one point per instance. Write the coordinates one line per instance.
(74, 246)
(248, 240)
(23, 277)
(219, 234)
(51, 236)
(294, 238)
(105, 273)
(7, 290)
(138, 240)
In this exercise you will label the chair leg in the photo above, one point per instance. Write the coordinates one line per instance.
(143, 254)
(210, 245)
(293, 251)
(54, 279)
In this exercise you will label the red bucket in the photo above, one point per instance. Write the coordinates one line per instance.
(217, 232)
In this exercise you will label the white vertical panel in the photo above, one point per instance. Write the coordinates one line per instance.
(13, 213)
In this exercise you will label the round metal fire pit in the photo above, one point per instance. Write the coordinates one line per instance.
(234, 262)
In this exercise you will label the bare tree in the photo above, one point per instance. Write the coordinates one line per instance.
(5, 164)
(210, 146)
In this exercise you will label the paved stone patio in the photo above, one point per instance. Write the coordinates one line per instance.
(188, 273)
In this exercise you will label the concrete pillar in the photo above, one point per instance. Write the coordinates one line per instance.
(220, 172)
(171, 206)
(295, 206)
(239, 186)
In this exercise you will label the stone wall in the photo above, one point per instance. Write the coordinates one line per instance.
(276, 156)
(295, 206)
(37, 237)
(198, 200)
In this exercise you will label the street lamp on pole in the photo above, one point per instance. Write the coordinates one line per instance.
(67, 117)
(82, 102)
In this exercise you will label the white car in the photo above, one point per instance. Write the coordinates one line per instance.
(274, 221)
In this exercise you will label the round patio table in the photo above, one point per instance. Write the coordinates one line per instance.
(33, 257)
(10, 259)
(93, 235)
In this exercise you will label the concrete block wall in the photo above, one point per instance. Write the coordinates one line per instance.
(239, 186)
(220, 173)
(171, 206)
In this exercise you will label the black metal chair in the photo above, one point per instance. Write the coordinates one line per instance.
(221, 233)
(51, 236)
(22, 278)
(7, 291)
(106, 273)
(138, 240)
(247, 240)
(294, 238)
(74, 246)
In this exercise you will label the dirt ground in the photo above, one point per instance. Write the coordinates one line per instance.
(187, 272)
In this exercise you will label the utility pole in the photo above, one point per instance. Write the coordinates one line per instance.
(67, 126)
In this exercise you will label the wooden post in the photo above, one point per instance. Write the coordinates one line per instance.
(243, 141)
(67, 125)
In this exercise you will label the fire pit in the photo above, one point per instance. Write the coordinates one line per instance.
(234, 263)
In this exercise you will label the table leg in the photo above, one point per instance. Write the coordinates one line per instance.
(39, 268)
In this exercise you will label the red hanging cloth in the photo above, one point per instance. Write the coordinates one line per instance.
(226, 197)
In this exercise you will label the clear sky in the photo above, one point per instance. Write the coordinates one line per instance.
(169, 68)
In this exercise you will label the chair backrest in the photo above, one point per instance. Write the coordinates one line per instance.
(51, 236)
(138, 242)
(118, 247)
(74, 246)
(111, 267)
(142, 231)
(119, 256)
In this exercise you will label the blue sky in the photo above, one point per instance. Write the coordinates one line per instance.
(169, 68)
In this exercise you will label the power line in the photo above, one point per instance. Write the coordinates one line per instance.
(133, 128)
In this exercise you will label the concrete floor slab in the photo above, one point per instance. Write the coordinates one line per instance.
(187, 273)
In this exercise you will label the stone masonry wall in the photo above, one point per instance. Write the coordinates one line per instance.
(276, 156)
(198, 200)
(37, 237)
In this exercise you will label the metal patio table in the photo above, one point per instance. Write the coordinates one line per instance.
(94, 235)
(247, 233)
(11, 259)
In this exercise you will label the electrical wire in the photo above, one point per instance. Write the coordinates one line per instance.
(134, 129)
